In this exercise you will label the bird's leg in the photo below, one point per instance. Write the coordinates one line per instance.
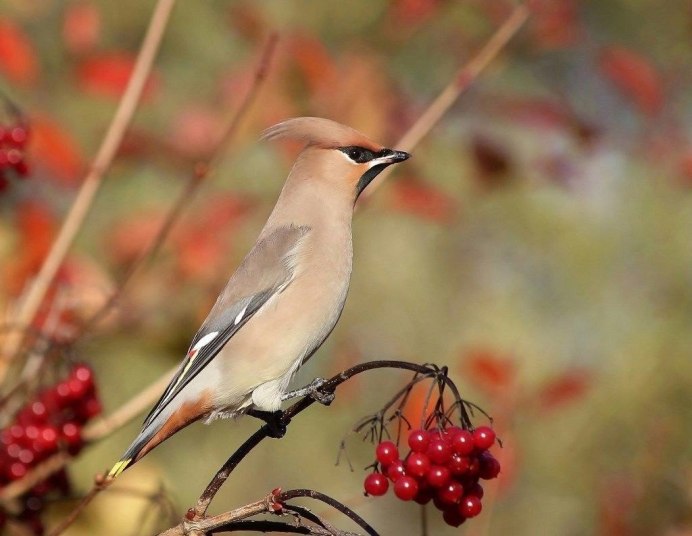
(313, 390)
(273, 419)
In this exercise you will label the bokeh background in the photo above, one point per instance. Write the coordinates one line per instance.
(539, 243)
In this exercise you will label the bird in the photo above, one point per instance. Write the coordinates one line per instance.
(287, 294)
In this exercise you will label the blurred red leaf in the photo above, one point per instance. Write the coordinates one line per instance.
(414, 12)
(195, 130)
(489, 370)
(128, 239)
(107, 75)
(413, 196)
(568, 387)
(52, 147)
(555, 23)
(81, 28)
(202, 243)
(634, 76)
(18, 59)
(35, 227)
(313, 61)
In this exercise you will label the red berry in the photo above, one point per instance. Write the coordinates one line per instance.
(16, 471)
(27, 457)
(470, 506)
(483, 437)
(31, 433)
(462, 443)
(474, 490)
(474, 467)
(376, 484)
(439, 451)
(423, 496)
(489, 466)
(396, 470)
(406, 488)
(417, 464)
(386, 453)
(438, 476)
(418, 440)
(62, 394)
(458, 465)
(451, 493)
(72, 436)
(14, 156)
(13, 450)
(84, 374)
(34, 413)
(18, 135)
(78, 389)
(47, 441)
(452, 517)
(90, 409)
(21, 168)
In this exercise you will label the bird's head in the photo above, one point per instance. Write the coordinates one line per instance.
(337, 153)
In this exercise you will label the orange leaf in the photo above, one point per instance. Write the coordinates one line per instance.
(413, 196)
(313, 60)
(54, 148)
(564, 389)
(18, 59)
(128, 239)
(635, 77)
(81, 28)
(107, 75)
(35, 226)
(489, 370)
(555, 23)
(414, 12)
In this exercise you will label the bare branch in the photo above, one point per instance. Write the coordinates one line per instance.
(82, 203)
(459, 83)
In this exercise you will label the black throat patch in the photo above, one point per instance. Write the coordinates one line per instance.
(367, 178)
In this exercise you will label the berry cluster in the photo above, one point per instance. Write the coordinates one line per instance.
(49, 422)
(444, 466)
(13, 140)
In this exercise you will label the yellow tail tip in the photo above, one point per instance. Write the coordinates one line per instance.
(119, 468)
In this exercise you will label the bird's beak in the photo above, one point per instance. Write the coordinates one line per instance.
(390, 156)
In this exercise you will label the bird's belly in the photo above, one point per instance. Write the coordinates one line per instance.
(259, 361)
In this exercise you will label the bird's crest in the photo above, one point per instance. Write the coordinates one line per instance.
(319, 132)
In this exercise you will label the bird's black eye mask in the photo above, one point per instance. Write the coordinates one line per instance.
(361, 155)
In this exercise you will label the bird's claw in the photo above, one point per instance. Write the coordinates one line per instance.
(313, 390)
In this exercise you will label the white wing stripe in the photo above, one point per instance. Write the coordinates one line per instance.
(205, 340)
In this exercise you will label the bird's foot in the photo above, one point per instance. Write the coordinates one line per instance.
(273, 419)
(313, 390)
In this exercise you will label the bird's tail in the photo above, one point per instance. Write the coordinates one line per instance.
(133, 453)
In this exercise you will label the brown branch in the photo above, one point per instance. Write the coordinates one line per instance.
(272, 503)
(80, 207)
(459, 83)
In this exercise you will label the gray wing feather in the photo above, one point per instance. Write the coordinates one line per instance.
(266, 271)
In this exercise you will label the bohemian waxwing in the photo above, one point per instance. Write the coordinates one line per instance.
(285, 297)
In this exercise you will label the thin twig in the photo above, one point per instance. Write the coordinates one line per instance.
(72, 516)
(82, 203)
(273, 503)
(460, 82)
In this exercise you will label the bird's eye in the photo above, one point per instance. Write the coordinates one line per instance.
(358, 154)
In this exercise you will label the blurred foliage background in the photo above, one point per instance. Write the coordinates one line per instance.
(539, 243)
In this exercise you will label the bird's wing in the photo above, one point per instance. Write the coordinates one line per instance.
(266, 271)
